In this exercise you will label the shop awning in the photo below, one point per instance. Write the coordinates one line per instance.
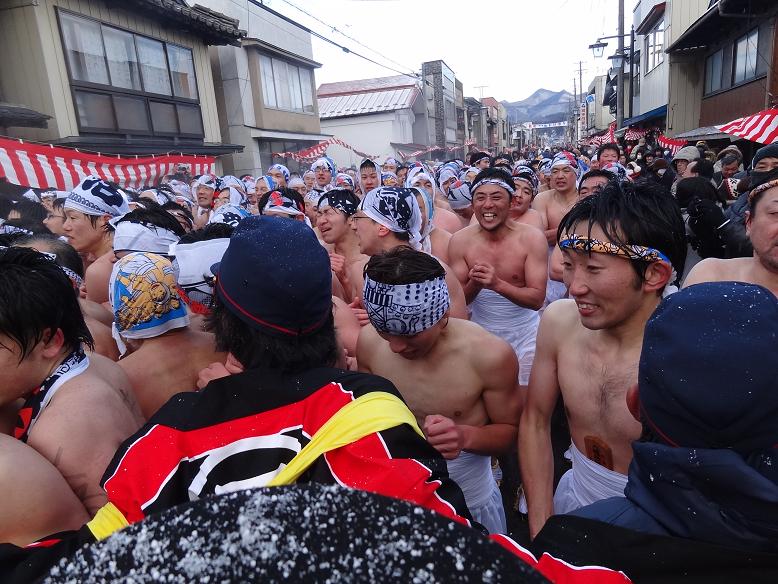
(704, 133)
(659, 112)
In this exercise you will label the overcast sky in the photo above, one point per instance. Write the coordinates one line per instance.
(513, 47)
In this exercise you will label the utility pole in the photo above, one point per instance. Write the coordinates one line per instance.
(480, 89)
(620, 72)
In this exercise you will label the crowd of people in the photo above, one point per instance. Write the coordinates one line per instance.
(525, 343)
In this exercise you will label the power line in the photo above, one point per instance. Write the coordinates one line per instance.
(330, 41)
(336, 30)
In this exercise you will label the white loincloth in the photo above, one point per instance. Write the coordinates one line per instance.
(514, 324)
(473, 474)
(586, 483)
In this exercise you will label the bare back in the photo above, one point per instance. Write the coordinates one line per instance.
(732, 270)
(83, 425)
(167, 365)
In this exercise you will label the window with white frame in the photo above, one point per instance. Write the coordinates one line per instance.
(744, 66)
(286, 86)
(654, 46)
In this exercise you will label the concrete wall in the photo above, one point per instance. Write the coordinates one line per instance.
(370, 134)
(34, 72)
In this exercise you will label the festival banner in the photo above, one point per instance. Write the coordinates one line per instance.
(45, 166)
(673, 145)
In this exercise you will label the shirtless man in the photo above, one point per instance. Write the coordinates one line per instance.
(762, 229)
(88, 209)
(97, 318)
(77, 409)
(390, 217)
(369, 176)
(553, 204)
(204, 190)
(335, 209)
(502, 267)
(36, 502)
(445, 218)
(324, 171)
(588, 347)
(526, 183)
(464, 398)
(153, 341)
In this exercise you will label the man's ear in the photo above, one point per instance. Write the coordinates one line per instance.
(657, 276)
(633, 401)
(383, 231)
(52, 342)
(749, 218)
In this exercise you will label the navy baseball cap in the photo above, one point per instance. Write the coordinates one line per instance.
(275, 276)
(708, 376)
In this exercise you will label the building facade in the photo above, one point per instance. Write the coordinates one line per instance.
(124, 78)
(726, 66)
(598, 115)
(266, 88)
(444, 106)
(378, 117)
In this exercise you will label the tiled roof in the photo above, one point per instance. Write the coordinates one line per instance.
(362, 85)
(356, 104)
(213, 27)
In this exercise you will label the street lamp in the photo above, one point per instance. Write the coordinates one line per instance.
(597, 48)
(618, 61)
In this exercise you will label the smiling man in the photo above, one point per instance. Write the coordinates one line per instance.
(620, 247)
(502, 267)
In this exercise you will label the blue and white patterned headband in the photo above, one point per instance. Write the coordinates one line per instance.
(284, 170)
(95, 196)
(405, 309)
(492, 181)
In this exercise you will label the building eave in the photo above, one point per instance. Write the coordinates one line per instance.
(264, 47)
(112, 145)
(19, 116)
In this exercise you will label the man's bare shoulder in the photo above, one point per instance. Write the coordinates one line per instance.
(542, 199)
(528, 234)
(491, 348)
(562, 315)
(717, 270)
(465, 234)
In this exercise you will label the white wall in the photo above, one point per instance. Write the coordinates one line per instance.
(654, 83)
(370, 134)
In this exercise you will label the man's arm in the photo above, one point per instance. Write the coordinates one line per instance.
(535, 453)
(366, 346)
(540, 204)
(456, 255)
(456, 295)
(533, 293)
(498, 367)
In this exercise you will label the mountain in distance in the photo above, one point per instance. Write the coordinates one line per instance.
(542, 107)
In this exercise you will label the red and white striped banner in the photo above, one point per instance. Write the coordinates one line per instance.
(44, 166)
(318, 150)
(761, 127)
(671, 144)
(435, 149)
(635, 133)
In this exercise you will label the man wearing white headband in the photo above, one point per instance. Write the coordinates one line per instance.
(502, 266)
(457, 379)
(204, 189)
(369, 176)
(324, 171)
(444, 218)
(389, 217)
(88, 210)
(280, 174)
(554, 204)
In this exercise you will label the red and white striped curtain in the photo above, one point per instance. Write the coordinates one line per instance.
(761, 127)
(46, 166)
(673, 145)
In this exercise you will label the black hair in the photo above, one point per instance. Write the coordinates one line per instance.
(31, 211)
(694, 186)
(403, 265)
(6, 205)
(639, 213)
(497, 172)
(369, 163)
(476, 156)
(58, 203)
(256, 349)
(608, 146)
(288, 193)
(66, 254)
(704, 168)
(154, 215)
(730, 158)
(594, 173)
(172, 206)
(210, 231)
(37, 296)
